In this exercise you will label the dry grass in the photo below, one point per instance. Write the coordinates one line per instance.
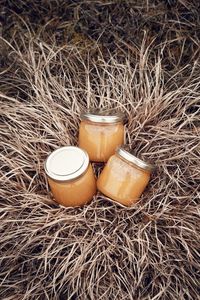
(101, 251)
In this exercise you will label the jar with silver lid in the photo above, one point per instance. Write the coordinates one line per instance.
(100, 132)
(124, 177)
(70, 176)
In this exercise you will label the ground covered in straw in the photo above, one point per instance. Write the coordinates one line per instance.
(64, 56)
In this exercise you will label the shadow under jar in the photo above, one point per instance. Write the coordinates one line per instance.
(100, 132)
(70, 176)
(124, 177)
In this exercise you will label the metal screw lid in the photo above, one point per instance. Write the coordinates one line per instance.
(103, 116)
(66, 163)
(122, 152)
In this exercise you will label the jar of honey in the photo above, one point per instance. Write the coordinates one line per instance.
(124, 177)
(70, 176)
(100, 133)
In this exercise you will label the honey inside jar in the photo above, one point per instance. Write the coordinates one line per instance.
(70, 176)
(124, 177)
(100, 133)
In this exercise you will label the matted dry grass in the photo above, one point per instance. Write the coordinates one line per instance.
(103, 250)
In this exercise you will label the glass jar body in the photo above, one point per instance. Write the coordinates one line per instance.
(122, 181)
(100, 139)
(76, 192)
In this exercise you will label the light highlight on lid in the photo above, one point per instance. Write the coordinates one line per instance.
(122, 152)
(103, 116)
(66, 163)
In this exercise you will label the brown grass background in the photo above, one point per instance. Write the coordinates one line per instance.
(57, 58)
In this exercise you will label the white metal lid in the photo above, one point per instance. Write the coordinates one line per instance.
(103, 116)
(66, 163)
(122, 152)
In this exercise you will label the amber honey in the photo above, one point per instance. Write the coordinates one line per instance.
(124, 177)
(70, 176)
(101, 134)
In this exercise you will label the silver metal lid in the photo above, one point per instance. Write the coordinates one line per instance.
(66, 163)
(103, 116)
(122, 152)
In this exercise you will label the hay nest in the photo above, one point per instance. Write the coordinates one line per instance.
(103, 250)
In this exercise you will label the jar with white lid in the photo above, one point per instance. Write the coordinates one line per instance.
(70, 176)
(100, 132)
(124, 177)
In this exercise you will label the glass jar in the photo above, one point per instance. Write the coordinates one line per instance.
(100, 133)
(124, 177)
(70, 176)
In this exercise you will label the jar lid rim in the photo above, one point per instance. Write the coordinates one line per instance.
(66, 163)
(103, 116)
(122, 152)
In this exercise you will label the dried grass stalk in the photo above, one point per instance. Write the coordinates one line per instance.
(101, 251)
